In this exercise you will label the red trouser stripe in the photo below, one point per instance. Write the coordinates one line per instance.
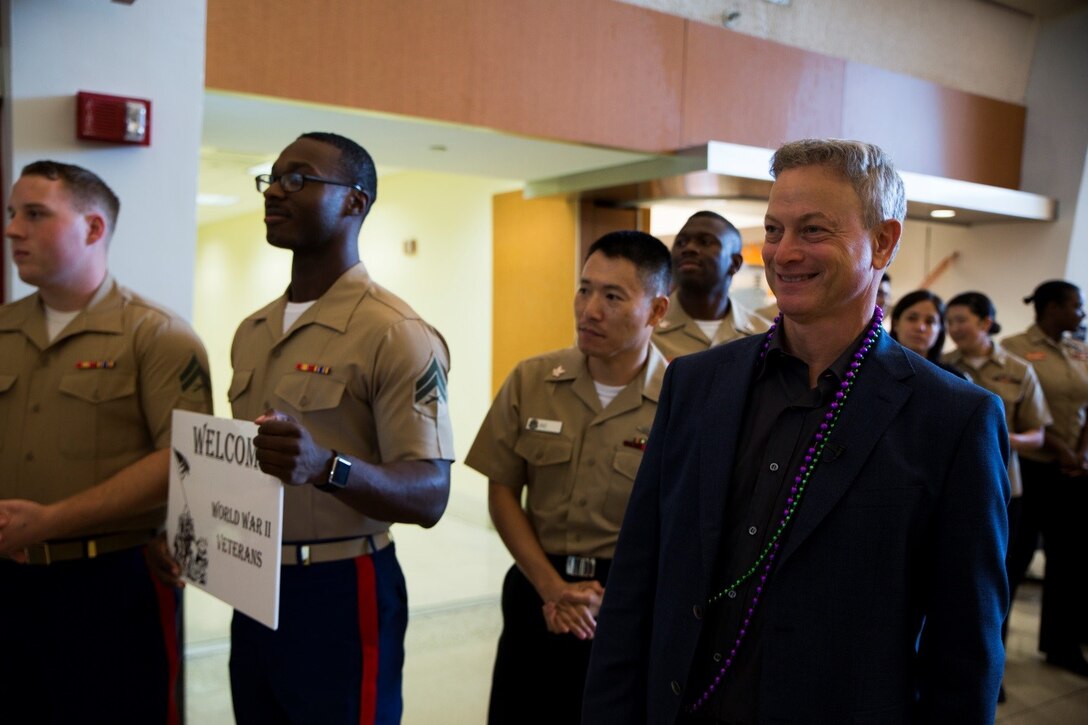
(368, 635)
(168, 619)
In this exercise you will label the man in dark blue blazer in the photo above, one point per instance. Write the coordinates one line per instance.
(817, 532)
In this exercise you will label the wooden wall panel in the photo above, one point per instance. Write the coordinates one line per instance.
(596, 221)
(533, 279)
(751, 91)
(594, 72)
(599, 72)
(935, 130)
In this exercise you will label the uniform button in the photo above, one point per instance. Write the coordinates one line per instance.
(590, 461)
(539, 455)
(732, 594)
(717, 656)
(583, 501)
(697, 611)
(752, 530)
(29, 456)
(577, 537)
(774, 466)
(304, 401)
(676, 689)
(35, 408)
(276, 352)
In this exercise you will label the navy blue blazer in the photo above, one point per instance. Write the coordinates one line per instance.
(886, 603)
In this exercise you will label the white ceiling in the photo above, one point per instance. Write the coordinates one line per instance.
(241, 132)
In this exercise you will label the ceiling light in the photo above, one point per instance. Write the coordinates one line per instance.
(943, 213)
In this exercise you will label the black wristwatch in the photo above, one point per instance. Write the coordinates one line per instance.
(338, 474)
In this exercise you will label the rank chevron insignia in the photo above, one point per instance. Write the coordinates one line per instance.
(431, 385)
(194, 376)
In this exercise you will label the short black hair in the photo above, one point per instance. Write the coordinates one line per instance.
(356, 163)
(648, 253)
(910, 300)
(86, 187)
(980, 305)
(730, 229)
(1051, 292)
(886, 278)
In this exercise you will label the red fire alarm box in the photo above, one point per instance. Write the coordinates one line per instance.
(115, 119)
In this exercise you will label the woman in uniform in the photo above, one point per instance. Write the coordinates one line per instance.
(971, 323)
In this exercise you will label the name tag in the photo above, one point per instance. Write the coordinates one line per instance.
(544, 425)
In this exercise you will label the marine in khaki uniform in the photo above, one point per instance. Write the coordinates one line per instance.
(570, 426)
(348, 386)
(1056, 476)
(89, 375)
(705, 256)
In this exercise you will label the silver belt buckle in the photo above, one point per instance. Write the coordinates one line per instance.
(581, 566)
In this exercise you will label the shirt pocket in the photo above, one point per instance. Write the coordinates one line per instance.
(310, 393)
(625, 463)
(7, 382)
(99, 415)
(547, 457)
(239, 385)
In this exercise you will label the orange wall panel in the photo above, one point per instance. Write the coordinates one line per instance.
(751, 91)
(533, 279)
(935, 130)
(599, 72)
(593, 72)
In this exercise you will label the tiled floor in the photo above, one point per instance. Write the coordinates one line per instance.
(454, 576)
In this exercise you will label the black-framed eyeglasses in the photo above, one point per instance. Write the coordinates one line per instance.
(294, 181)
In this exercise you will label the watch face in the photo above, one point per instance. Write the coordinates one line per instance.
(338, 476)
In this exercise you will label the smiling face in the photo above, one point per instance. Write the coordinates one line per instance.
(969, 332)
(316, 215)
(1070, 311)
(821, 262)
(918, 327)
(705, 255)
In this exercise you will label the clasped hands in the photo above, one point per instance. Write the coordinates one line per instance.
(574, 609)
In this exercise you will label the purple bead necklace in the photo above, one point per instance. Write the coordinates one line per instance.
(765, 561)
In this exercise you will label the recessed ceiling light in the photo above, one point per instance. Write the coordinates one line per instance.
(439, 147)
(943, 213)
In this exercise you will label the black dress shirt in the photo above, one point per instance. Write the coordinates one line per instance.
(781, 416)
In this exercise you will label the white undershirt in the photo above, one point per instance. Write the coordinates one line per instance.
(607, 393)
(293, 311)
(976, 363)
(709, 327)
(55, 320)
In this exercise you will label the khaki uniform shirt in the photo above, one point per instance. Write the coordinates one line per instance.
(546, 430)
(677, 334)
(1062, 369)
(1014, 381)
(362, 373)
(98, 398)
